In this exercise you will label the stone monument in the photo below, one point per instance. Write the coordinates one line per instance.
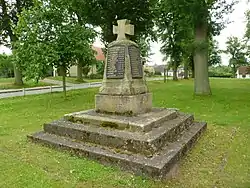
(124, 129)
(124, 91)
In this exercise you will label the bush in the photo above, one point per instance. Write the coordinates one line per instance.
(157, 73)
(6, 66)
(220, 72)
(220, 75)
(95, 76)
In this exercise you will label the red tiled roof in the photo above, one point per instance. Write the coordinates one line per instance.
(99, 55)
(243, 70)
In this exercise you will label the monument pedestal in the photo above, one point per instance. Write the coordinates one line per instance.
(149, 144)
(124, 105)
(124, 130)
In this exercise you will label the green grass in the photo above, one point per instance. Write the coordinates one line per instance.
(74, 80)
(8, 83)
(220, 159)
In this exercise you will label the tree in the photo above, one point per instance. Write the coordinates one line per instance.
(214, 54)
(205, 17)
(174, 34)
(6, 66)
(9, 11)
(236, 49)
(247, 34)
(50, 35)
(106, 13)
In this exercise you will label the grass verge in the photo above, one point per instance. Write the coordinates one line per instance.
(73, 80)
(220, 159)
(8, 83)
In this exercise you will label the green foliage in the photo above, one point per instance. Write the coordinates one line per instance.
(50, 34)
(100, 67)
(237, 51)
(247, 34)
(174, 32)
(106, 13)
(214, 53)
(95, 76)
(6, 66)
(220, 71)
(9, 16)
(157, 73)
(9, 11)
(187, 26)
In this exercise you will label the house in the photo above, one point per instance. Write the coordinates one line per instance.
(99, 55)
(243, 72)
(159, 70)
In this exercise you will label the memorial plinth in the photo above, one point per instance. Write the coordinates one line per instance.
(123, 129)
(124, 90)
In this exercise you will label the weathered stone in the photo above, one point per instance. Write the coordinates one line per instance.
(136, 142)
(132, 104)
(140, 123)
(124, 86)
(158, 166)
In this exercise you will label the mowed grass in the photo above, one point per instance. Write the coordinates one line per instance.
(73, 80)
(220, 159)
(8, 83)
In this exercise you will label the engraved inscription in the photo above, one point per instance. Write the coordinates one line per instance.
(116, 62)
(135, 61)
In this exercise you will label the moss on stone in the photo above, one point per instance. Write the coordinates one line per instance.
(128, 113)
(110, 125)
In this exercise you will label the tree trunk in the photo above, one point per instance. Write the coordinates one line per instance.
(164, 75)
(63, 74)
(201, 80)
(175, 78)
(234, 71)
(79, 72)
(18, 76)
(192, 76)
(186, 70)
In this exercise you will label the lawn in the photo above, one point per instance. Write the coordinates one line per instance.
(221, 158)
(8, 83)
(74, 80)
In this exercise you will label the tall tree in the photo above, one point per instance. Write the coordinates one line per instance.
(205, 17)
(6, 66)
(214, 57)
(9, 11)
(174, 33)
(237, 50)
(50, 35)
(247, 34)
(106, 13)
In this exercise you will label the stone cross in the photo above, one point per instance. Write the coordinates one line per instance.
(124, 27)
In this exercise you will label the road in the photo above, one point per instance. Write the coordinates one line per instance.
(43, 90)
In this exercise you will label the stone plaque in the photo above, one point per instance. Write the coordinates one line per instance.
(116, 62)
(135, 61)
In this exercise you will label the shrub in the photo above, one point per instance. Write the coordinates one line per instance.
(95, 76)
(220, 72)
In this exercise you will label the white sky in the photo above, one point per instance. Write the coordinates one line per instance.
(236, 28)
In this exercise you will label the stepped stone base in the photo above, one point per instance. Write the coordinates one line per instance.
(149, 144)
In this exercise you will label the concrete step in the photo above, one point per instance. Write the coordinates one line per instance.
(158, 165)
(140, 123)
(136, 142)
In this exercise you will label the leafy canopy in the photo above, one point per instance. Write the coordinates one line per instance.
(50, 34)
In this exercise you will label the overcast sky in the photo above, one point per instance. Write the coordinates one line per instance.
(235, 28)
